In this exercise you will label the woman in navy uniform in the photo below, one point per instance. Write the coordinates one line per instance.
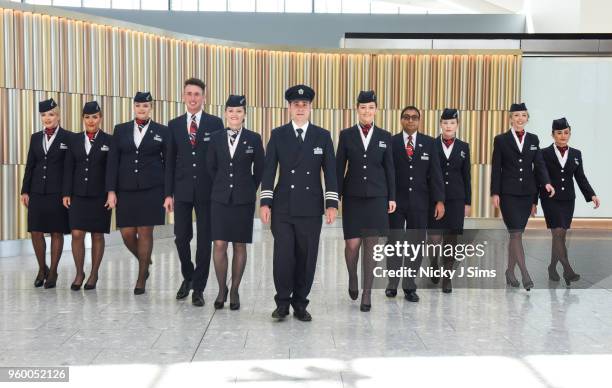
(454, 156)
(135, 182)
(517, 170)
(41, 191)
(564, 164)
(367, 189)
(85, 194)
(235, 162)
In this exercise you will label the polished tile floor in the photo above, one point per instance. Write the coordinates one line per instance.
(549, 337)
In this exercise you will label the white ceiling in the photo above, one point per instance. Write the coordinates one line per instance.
(465, 6)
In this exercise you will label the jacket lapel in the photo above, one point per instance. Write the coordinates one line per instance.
(356, 137)
(307, 145)
(242, 144)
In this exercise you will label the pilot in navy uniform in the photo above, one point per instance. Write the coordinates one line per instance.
(85, 193)
(367, 190)
(454, 156)
(235, 161)
(41, 191)
(516, 172)
(135, 182)
(301, 150)
(564, 164)
(418, 181)
(188, 185)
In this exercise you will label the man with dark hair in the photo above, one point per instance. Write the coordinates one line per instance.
(418, 180)
(188, 186)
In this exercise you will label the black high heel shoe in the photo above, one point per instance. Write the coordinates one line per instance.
(527, 282)
(139, 290)
(89, 286)
(76, 287)
(552, 273)
(218, 303)
(511, 279)
(236, 304)
(569, 278)
(447, 286)
(353, 294)
(40, 278)
(50, 282)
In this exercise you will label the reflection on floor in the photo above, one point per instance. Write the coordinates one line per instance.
(554, 337)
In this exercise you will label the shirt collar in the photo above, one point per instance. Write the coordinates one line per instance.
(304, 128)
(198, 116)
(414, 136)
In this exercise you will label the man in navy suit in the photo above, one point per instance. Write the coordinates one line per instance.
(301, 151)
(418, 181)
(188, 186)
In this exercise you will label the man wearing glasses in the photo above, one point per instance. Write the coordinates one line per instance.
(418, 182)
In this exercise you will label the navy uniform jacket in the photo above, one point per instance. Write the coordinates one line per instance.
(44, 173)
(130, 168)
(456, 171)
(562, 179)
(514, 172)
(299, 191)
(418, 181)
(239, 177)
(370, 172)
(187, 177)
(84, 174)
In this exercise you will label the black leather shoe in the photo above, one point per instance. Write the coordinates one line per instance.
(139, 291)
(280, 313)
(353, 294)
(76, 287)
(197, 298)
(365, 307)
(302, 315)
(411, 296)
(391, 292)
(447, 286)
(88, 286)
(183, 291)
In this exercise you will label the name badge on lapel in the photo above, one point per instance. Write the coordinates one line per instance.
(249, 149)
(533, 148)
(104, 148)
(462, 154)
(425, 156)
(157, 138)
(318, 151)
(206, 136)
(576, 161)
(382, 144)
(63, 146)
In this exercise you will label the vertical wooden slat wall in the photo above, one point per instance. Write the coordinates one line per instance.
(77, 61)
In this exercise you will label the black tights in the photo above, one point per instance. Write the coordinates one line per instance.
(351, 255)
(559, 251)
(78, 252)
(448, 262)
(139, 241)
(220, 260)
(40, 250)
(516, 254)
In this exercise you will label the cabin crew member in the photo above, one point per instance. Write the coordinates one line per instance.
(517, 170)
(367, 189)
(85, 193)
(564, 164)
(41, 191)
(454, 156)
(188, 187)
(418, 181)
(135, 182)
(235, 162)
(301, 150)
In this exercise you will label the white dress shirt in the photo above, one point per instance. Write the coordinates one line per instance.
(138, 135)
